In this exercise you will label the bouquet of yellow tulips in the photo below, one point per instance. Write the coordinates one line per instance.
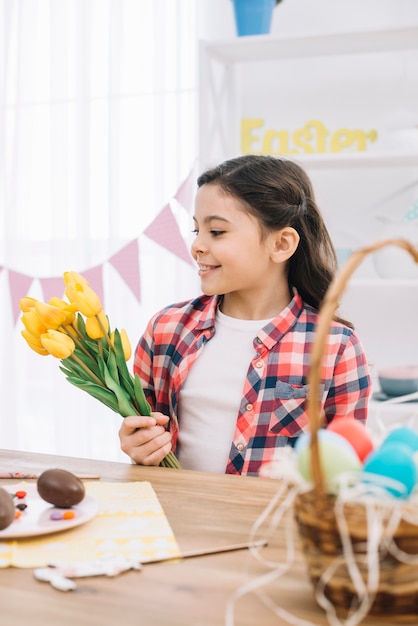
(92, 357)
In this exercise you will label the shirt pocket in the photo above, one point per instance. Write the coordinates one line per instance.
(289, 418)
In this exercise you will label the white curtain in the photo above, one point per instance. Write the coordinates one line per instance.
(97, 134)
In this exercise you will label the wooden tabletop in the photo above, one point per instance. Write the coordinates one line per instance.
(205, 511)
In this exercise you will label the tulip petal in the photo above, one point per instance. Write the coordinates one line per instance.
(58, 344)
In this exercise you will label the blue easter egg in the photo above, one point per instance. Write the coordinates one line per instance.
(393, 460)
(405, 435)
(337, 455)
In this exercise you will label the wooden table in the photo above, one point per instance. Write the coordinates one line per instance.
(204, 510)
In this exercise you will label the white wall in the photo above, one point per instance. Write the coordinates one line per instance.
(384, 311)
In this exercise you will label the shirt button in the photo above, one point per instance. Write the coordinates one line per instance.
(259, 364)
(249, 407)
(240, 447)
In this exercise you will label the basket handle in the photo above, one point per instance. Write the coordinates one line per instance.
(326, 315)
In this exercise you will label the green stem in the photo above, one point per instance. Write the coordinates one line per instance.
(104, 331)
(86, 369)
(76, 340)
(170, 461)
(73, 326)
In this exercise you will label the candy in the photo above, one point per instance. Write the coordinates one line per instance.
(60, 515)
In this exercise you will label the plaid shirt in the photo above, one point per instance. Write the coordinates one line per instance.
(272, 412)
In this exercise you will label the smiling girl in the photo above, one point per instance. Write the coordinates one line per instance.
(226, 373)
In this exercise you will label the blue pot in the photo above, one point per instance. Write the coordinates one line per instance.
(253, 17)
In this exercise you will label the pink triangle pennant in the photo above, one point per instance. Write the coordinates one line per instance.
(164, 230)
(52, 287)
(95, 277)
(184, 193)
(126, 262)
(19, 285)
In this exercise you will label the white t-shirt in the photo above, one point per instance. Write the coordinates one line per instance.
(210, 397)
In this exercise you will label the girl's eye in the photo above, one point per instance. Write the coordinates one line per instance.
(216, 233)
(195, 231)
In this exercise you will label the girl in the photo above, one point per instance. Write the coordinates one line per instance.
(226, 373)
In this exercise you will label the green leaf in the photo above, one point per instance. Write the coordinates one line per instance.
(125, 407)
(112, 367)
(141, 400)
(81, 326)
(100, 393)
(89, 362)
(124, 375)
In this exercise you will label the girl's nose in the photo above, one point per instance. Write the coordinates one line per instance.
(198, 245)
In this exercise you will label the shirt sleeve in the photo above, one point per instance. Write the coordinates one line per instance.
(351, 384)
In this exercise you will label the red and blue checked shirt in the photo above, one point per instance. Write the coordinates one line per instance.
(272, 412)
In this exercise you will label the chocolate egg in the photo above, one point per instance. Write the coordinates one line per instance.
(60, 488)
(7, 509)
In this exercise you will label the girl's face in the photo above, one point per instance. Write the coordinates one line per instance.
(229, 249)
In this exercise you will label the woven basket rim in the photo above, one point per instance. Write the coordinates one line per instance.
(326, 315)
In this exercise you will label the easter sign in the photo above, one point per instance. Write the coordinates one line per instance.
(312, 138)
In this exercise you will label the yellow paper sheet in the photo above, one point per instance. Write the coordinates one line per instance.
(130, 523)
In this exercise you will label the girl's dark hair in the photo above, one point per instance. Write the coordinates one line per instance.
(279, 193)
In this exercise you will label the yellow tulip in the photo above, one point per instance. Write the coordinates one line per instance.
(126, 344)
(71, 279)
(34, 342)
(66, 307)
(27, 303)
(58, 344)
(51, 316)
(33, 323)
(94, 329)
(84, 298)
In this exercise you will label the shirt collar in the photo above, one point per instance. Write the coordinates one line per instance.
(274, 331)
(270, 334)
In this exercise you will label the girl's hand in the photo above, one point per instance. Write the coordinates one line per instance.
(145, 439)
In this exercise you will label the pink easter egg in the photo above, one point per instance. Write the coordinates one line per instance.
(355, 432)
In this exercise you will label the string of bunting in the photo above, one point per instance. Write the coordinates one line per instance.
(163, 230)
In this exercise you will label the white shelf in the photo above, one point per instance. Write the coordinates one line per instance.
(221, 76)
(268, 47)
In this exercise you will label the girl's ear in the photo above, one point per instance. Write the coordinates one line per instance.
(285, 243)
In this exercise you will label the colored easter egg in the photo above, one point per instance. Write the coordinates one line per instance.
(396, 461)
(336, 455)
(403, 434)
(355, 432)
(323, 435)
(7, 509)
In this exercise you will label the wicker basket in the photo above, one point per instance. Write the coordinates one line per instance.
(396, 590)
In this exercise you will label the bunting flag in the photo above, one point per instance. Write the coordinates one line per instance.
(95, 277)
(185, 193)
(126, 262)
(164, 230)
(52, 287)
(19, 285)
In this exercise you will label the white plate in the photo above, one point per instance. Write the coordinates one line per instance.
(36, 521)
